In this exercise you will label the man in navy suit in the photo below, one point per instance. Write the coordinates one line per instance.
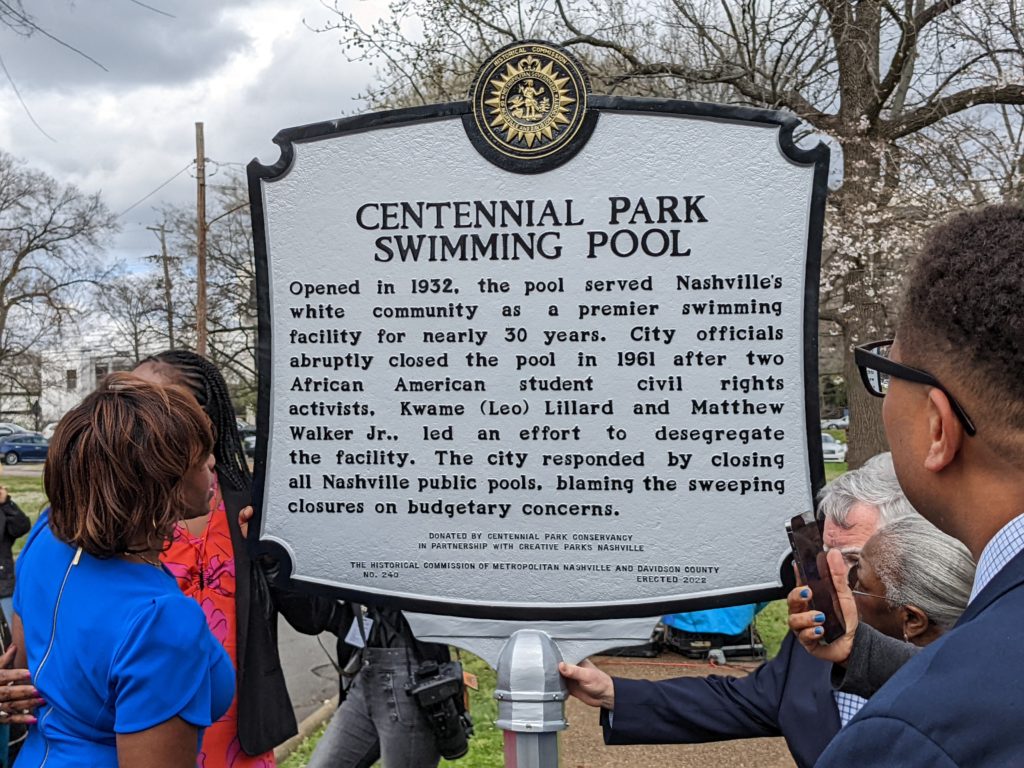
(953, 382)
(790, 695)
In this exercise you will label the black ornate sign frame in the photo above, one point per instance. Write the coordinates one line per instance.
(817, 156)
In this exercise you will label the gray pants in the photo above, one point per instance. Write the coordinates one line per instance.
(378, 720)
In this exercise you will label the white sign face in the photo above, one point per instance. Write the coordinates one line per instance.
(584, 392)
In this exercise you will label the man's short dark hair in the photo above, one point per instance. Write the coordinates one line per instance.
(963, 314)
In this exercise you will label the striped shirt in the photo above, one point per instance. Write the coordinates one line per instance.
(1002, 548)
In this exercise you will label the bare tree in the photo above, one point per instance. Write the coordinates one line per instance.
(176, 277)
(21, 390)
(874, 75)
(231, 289)
(980, 153)
(231, 283)
(132, 304)
(50, 256)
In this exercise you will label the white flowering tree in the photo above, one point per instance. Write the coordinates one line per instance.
(881, 78)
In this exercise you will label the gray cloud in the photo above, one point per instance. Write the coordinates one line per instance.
(136, 45)
(125, 136)
(295, 90)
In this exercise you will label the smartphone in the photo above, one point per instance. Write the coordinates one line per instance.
(805, 536)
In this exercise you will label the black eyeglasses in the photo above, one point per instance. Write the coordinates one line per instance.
(876, 369)
(853, 579)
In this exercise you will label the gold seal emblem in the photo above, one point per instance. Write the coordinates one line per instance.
(529, 100)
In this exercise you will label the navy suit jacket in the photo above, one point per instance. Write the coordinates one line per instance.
(790, 695)
(959, 702)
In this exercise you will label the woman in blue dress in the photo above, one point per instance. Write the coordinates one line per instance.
(125, 663)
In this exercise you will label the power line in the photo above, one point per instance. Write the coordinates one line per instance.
(155, 10)
(27, 21)
(21, 101)
(143, 199)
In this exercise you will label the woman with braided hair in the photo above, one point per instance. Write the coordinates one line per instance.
(208, 557)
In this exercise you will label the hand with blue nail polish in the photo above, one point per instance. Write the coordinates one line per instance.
(805, 621)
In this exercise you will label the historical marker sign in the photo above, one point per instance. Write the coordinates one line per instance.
(542, 354)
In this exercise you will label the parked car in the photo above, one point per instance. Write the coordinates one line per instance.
(249, 445)
(23, 446)
(10, 428)
(842, 422)
(832, 449)
(245, 429)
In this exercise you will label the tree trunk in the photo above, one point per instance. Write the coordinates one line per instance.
(864, 287)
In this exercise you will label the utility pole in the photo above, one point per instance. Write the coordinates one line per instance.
(200, 241)
(168, 303)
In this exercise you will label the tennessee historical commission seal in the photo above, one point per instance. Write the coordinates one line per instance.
(529, 107)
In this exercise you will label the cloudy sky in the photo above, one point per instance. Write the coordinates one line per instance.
(244, 69)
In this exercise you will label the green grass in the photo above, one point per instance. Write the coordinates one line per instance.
(304, 751)
(28, 493)
(486, 746)
(834, 470)
(772, 626)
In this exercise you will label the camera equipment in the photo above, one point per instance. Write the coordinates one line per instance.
(438, 690)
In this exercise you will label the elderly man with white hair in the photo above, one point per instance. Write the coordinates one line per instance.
(790, 695)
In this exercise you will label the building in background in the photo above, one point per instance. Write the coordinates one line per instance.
(70, 373)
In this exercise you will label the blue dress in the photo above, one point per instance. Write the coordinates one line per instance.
(113, 647)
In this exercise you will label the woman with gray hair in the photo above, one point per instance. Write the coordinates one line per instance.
(912, 581)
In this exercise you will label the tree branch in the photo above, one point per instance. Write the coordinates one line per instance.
(581, 38)
(930, 113)
(738, 80)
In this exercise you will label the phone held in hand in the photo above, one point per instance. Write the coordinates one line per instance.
(805, 536)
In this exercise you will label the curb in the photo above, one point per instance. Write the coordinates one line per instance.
(306, 729)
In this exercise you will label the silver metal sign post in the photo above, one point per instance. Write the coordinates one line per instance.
(530, 691)
(531, 699)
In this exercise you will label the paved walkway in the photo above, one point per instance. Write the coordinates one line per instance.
(583, 747)
(311, 677)
(33, 469)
